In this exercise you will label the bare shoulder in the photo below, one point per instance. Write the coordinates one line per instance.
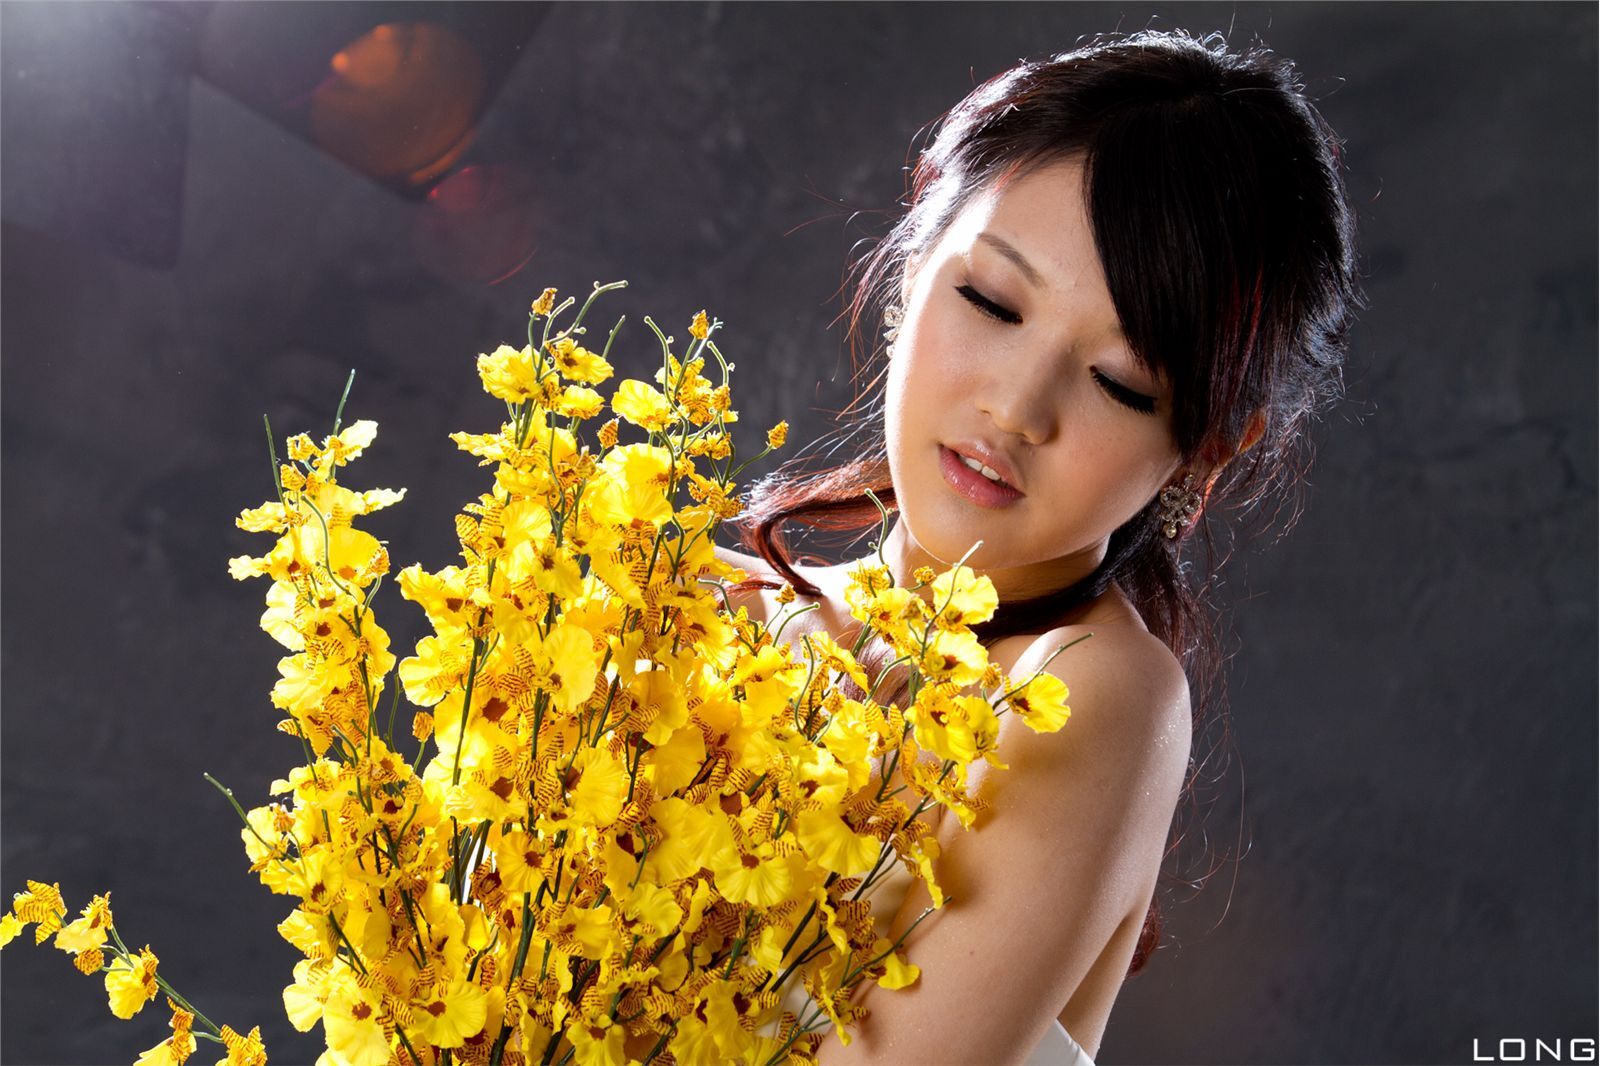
(1115, 665)
(1060, 861)
(1130, 716)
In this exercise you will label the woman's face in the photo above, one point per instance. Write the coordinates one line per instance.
(1042, 394)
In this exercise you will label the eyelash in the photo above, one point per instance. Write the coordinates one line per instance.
(1123, 395)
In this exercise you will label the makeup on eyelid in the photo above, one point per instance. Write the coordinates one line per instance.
(1129, 398)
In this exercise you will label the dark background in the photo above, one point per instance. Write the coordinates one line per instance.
(1414, 728)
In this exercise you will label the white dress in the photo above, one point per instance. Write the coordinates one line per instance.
(1057, 1048)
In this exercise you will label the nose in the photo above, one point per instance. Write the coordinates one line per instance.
(1019, 394)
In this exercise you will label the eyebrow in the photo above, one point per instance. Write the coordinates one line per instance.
(1007, 249)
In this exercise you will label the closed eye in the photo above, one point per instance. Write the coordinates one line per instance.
(988, 306)
(1126, 396)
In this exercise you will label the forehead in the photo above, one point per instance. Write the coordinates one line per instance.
(1042, 214)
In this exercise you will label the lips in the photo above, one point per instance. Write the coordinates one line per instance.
(973, 485)
(991, 457)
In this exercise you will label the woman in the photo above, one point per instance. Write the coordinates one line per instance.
(1118, 297)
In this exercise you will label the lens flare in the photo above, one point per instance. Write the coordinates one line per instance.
(399, 103)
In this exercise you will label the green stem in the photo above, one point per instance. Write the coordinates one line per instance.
(338, 415)
(272, 454)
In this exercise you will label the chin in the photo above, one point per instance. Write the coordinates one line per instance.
(947, 534)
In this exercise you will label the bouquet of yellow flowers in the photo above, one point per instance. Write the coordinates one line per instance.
(644, 818)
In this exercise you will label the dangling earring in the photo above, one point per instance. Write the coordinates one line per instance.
(892, 317)
(1179, 505)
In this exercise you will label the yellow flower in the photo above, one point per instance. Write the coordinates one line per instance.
(889, 611)
(516, 858)
(545, 303)
(692, 1041)
(654, 905)
(41, 903)
(971, 598)
(958, 727)
(175, 1049)
(660, 695)
(897, 972)
(348, 444)
(714, 446)
(761, 878)
(599, 788)
(631, 487)
(777, 435)
(510, 374)
(350, 1021)
(576, 363)
(688, 834)
(548, 565)
(569, 664)
(437, 669)
(699, 327)
(836, 657)
(642, 404)
(303, 684)
(90, 930)
(300, 448)
(445, 1017)
(10, 926)
(1042, 703)
(955, 655)
(576, 401)
(442, 596)
(243, 1050)
(770, 679)
(597, 1045)
(352, 556)
(316, 878)
(834, 845)
(865, 580)
(676, 761)
(131, 984)
(304, 1001)
(718, 1037)
(585, 931)
(268, 518)
(922, 853)
(707, 489)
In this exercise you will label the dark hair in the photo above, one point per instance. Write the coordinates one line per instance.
(1215, 194)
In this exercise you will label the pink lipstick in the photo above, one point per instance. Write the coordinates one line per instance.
(973, 485)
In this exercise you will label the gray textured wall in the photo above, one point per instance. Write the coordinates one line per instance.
(1414, 717)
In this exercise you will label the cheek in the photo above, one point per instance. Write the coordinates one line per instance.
(1139, 481)
(1108, 473)
(902, 401)
(922, 375)
(893, 404)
